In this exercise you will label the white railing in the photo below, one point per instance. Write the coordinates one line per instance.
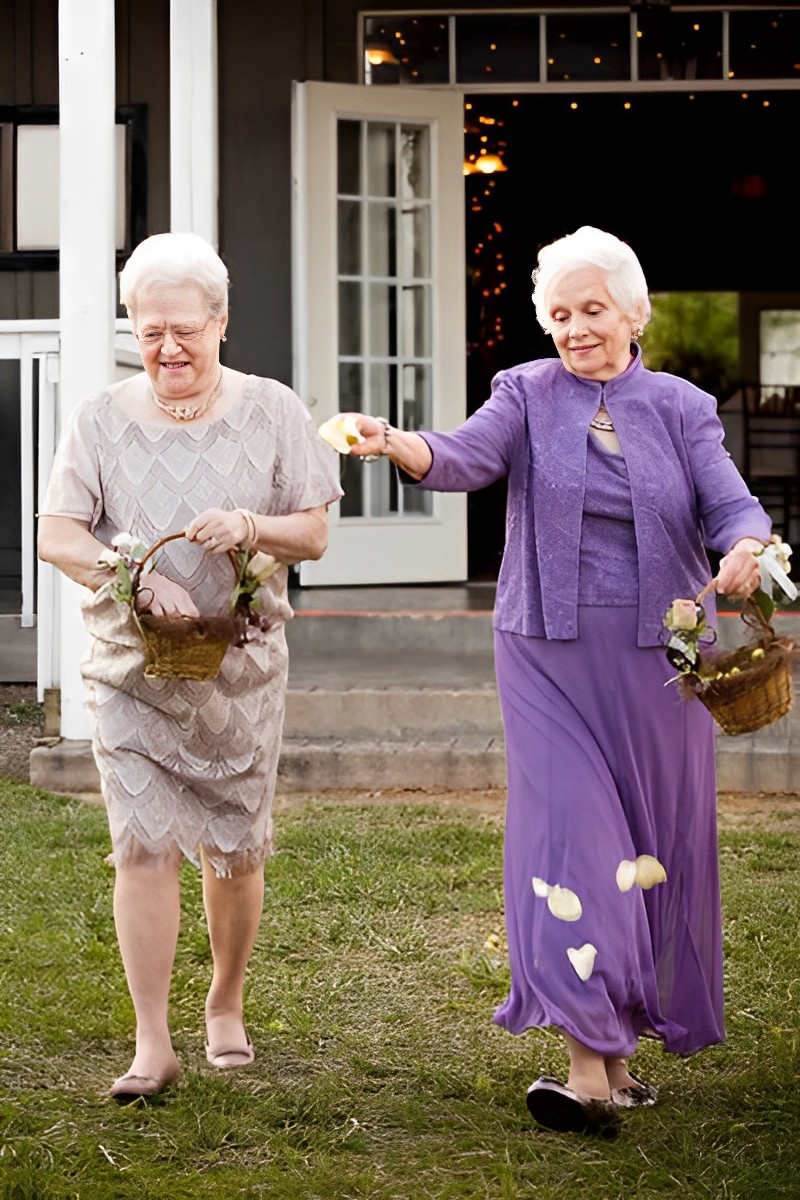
(36, 346)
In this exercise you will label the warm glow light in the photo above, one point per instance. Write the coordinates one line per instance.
(597, 61)
(574, 104)
(627, 104)
(489, 163)
(379, 56)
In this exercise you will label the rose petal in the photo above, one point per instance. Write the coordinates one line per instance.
(541, 888)
(649, 871)
(564, 904)
(626, 875)
(340, 432)
(262, 565)
(582, 959)
(123, 542)
(108, 558)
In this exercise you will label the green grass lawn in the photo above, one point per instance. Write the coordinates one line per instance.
(378, 1071)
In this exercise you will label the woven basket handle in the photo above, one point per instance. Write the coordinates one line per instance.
(751, 614)
(170, 537)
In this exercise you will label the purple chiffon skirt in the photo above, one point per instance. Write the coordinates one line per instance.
(606, 763)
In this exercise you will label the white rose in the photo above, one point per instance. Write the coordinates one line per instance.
(681, 615)
(262, 565)
(108, 558)
(123, 542)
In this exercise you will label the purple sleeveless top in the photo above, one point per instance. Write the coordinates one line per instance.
(609, 564)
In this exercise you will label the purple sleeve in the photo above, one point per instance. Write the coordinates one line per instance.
(480, 450)
(727, 509)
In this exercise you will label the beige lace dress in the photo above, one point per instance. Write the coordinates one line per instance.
(187, 763)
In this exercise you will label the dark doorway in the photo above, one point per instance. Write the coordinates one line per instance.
(698, 183)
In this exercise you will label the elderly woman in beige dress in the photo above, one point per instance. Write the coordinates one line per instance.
(187, 767)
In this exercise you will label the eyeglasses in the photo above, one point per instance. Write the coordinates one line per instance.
(155, 337)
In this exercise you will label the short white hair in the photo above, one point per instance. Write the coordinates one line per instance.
(586, 247)
(175, 258)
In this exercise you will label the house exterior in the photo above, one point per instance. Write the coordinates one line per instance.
(338, 157)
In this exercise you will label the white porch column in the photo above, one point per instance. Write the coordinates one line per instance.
(87, 276)
(194, 174)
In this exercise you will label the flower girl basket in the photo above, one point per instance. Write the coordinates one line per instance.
(746, 691)
(180, 647)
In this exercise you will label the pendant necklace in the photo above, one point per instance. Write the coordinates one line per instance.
(187, 412)
(602, 421)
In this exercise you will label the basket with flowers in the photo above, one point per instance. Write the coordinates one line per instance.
(747, 687)
(184, 647)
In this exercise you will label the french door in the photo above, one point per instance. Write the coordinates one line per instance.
(379, 311)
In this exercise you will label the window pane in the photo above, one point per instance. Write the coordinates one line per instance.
(415, 242)
(382, 338)
(497, 49)
(780, 347)
(416, 321)
(591, 48)
(416, 398)
(765, 45)
(351, 387)
(349, 160)
(382, 391)
(406, 50)
(382, 240)
(415, 155)
(380, 160)
(349, 319)
(352, 478)
(677, 46)
(349, 245)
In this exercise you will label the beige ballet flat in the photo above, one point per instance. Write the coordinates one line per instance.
(130, 1088)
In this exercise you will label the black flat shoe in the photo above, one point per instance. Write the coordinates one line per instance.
(639, 1094)
(557, 1107)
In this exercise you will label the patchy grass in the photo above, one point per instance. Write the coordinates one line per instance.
(378, 1071)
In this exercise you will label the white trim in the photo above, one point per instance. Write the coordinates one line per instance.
(194, 132)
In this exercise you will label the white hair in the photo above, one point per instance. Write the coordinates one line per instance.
(175, 258)
(588, 246)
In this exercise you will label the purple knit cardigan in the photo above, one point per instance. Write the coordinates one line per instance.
(686, 491)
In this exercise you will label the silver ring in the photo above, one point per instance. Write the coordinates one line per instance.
(370, 457)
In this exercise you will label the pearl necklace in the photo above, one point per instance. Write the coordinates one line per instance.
(187, 412)
(598, 422)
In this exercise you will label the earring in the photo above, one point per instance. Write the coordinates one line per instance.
(223, 338)
(638, 333)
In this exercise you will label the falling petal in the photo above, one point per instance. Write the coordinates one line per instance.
(564, 904)
(649, 871)
(341, 432)
(541, 888)
(582, 959)
(626, 875)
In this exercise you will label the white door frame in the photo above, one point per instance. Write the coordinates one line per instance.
(397, 548)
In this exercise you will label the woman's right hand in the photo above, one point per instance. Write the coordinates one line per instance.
(373, 432)
(161, 597)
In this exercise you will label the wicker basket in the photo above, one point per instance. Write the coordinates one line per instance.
(760, 691)
(179, 647)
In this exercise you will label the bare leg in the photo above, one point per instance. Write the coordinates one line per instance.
(587, 1070)
(233, 912)
(147, 917)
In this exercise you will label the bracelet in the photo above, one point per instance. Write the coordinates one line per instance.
(386, 430)
(250, 531)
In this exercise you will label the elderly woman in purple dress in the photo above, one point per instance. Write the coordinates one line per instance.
(618, 482)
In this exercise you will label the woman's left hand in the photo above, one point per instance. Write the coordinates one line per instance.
(739, 571)
(217, 530)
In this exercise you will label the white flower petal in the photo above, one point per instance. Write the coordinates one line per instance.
(582, 959)
(108, 558)
(123, 542)
(340, 432)
(541, 888)
(626, 875)
(262, 565)
(564, 904)
(649, 871)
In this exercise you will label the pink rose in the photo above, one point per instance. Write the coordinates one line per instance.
(682, 615)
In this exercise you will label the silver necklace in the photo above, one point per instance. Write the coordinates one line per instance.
(602, 421)
(187, 412)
